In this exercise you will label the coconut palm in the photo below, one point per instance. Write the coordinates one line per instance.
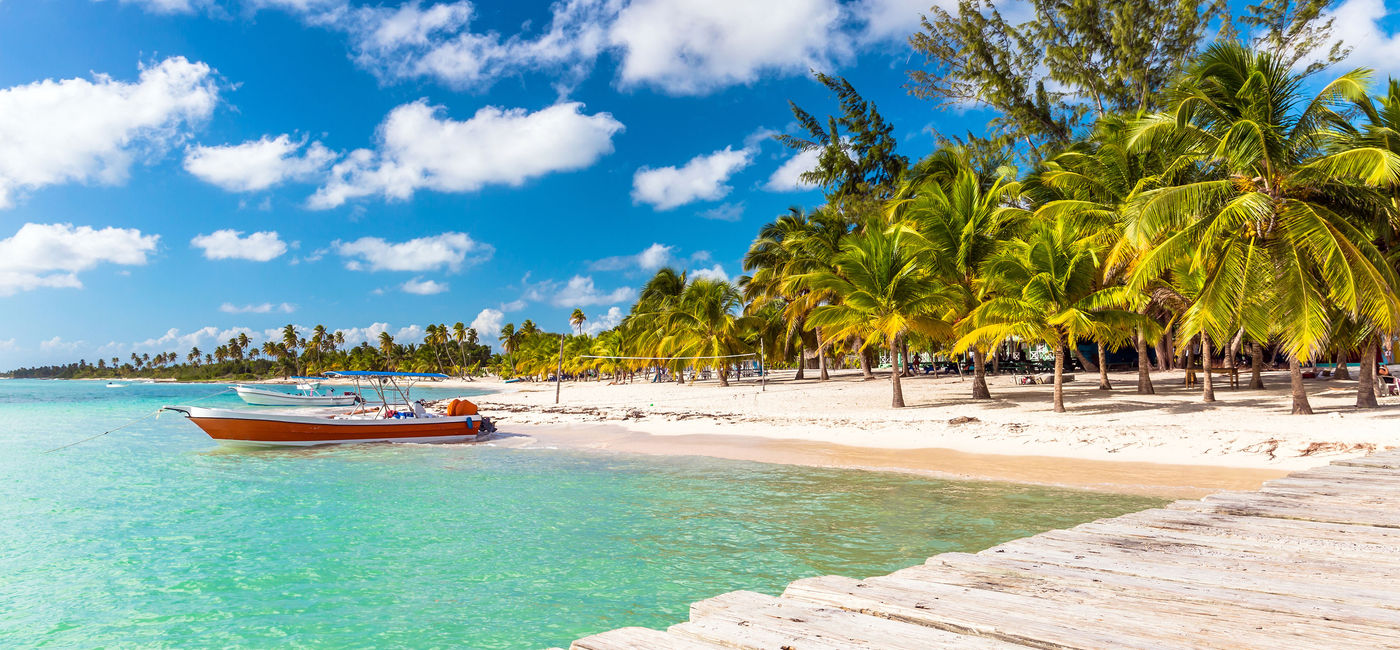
(459, 336)
(510, 340)
(577, 319)
(772, 261)
(705, 322)
(387, 348)
(1271, 222)
(960, 220)
(882, 294)
(1047, 290)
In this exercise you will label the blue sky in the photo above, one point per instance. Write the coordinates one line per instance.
(173, 172)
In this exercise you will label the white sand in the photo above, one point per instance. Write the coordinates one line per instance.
(1243, 428)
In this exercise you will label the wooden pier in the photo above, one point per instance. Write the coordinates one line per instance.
(1309, 561)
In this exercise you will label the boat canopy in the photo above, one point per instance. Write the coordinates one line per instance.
(381, 373)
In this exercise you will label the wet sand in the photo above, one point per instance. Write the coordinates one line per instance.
(1151, 479)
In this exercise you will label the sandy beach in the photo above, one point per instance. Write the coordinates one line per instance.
(1169, 443)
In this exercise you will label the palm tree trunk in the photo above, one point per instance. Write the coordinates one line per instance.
(1300, 393)
(864, 360)
(1144, 386)
(1164, 352)
(724, 376)
(979, 376)
(1366, 380)
(1341, 371)
(1059, 377)
(898, 400)
(1208, 383)
(821, 356)
(1233, 349)
(1256, 367)
(801, 359)
(1103, 369)
(1089, 366)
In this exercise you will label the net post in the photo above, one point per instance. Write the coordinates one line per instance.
(762, 367)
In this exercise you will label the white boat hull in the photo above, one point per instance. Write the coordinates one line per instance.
(262, 397)
(288, 430)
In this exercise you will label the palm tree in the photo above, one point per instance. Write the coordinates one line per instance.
(1046, 287)
(386, 348)
(510, 340)
(882, 294)
(775, 260)
(459, 335)
(960, 221)
(704, 323)
(577, 319)
(1098, 182)
(1269, 223)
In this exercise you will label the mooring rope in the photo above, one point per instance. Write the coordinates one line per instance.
(144, 417)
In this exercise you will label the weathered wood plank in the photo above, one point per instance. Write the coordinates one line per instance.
(1283, 508)
(633, 638)
(1249, 578)
(1336, 549)
(1388, 460)
(1225, 525)
(1014, 618)
(1244, 615)
(1171, 591)
(753, 621)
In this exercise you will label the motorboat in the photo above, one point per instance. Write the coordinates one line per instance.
(113, 384)
(395, 418)
(308, 394)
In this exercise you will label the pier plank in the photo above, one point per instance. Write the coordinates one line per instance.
(1254, 619)
(1171, 591)
(753, 621)
(630, 638)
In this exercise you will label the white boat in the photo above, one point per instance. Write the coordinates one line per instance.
(113, 384)
(307, 395)
(408, 421)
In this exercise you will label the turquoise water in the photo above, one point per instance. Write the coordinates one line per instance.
(155, 536)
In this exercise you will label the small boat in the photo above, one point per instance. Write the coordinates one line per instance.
(306, 395)
(405, 421)
(113, 384)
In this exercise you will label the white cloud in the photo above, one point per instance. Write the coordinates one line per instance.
(257, 164)
(1358, 24)
(447, 250)
(685, 47)
(436, 42)
(7, 344)
(488, 323)
(601, 322)
(262, 308)
(713, 273)
(581, 292)
(174, 340)
(356, 335)
(702, 178)
(418, 148)
(788, 176)
(897, 20)
(79, 130)
(164, 6)
(57, 343)
(423, 287)
(51, 255)
(725, 212)
(229, 244)
(654, 257)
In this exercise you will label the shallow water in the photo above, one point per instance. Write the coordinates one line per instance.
(155, 536)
